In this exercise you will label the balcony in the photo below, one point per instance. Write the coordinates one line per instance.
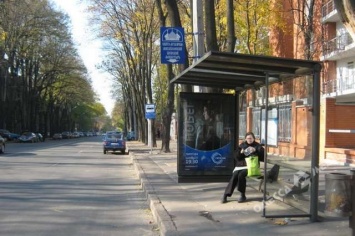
(343, 88)
(339, 47)
(329, 12)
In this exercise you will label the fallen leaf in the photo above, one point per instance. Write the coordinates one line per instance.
(280, 222)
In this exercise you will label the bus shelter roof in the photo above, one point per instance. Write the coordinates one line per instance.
(243, 71)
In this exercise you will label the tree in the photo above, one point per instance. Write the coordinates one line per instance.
(346, 10)
(130, 32)
(42, 61)
(174, 17)
(308, 42)
(230, 27)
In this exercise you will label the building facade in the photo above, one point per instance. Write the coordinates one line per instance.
(338, 95)
(330, 41)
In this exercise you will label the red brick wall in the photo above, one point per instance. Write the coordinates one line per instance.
(281, 43)
(339, 117)
(329, 31)
(329, 71)
(299, 34)
(338, 147)
(344, 119)
(249, 119)
(329, 117)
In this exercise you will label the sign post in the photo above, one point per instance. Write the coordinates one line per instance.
(150, 114)
(172, 45)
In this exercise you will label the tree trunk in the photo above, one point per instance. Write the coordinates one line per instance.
(230, 27)
(210, 26)
(211, 37)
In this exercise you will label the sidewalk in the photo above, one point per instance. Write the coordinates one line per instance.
(193, 209)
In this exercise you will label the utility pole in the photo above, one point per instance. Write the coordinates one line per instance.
(4, 66)
(198, 34)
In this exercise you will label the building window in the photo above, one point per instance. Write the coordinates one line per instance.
(242, 124)
(272, 126)
(284, 123)
(349, 79)
(256, 121)
(242, 115)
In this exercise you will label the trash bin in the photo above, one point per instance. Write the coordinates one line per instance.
(338, 195)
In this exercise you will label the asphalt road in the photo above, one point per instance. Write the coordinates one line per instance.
(69, 187)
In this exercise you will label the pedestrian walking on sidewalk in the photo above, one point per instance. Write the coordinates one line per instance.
(247, 148)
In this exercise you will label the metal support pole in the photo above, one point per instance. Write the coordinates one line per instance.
(198, 36)
(236, 115)
(315, 145)
(352, 217)
(150, 136)
(266, 146)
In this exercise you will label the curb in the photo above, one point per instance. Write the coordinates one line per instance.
(160, 215)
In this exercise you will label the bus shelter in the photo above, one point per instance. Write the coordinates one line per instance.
(241, 72)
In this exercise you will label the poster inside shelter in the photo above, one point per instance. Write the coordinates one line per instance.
(206, 135)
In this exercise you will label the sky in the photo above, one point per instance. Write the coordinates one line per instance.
(89, 50)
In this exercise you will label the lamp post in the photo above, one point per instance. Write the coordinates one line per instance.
(3, 89)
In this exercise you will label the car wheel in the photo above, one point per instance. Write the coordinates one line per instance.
(123, 151)
(2, 148)
(104, 151)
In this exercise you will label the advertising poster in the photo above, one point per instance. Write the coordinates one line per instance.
(206, 134)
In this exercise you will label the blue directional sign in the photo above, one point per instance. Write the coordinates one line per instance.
(172, 45)
(149, 111)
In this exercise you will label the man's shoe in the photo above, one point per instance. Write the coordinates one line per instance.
(224, 199)
(242, 198)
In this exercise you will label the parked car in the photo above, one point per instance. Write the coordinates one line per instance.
(57, 136)
(14, 137)
(2, 144)
(8, 135)
(114, 142)
(66, 134)
(40, 137)
(131, 135)
(28, 137)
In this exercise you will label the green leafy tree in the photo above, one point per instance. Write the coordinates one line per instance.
(46, 78)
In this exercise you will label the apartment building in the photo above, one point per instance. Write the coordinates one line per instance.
(338, 86)
(290, 110)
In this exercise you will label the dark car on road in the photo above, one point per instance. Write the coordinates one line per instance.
(131, 135)
(2, 145)
(66, 134)
(28, 137)
(114, 142)
(8, 135)
(40, 137)
(57, 136)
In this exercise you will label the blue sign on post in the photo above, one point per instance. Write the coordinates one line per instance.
(149, 111)
(172, 45)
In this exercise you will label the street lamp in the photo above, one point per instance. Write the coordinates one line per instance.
(3, 85)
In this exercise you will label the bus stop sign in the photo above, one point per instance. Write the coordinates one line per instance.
(149, 111)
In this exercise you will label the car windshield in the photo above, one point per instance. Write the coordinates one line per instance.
(114, 136)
